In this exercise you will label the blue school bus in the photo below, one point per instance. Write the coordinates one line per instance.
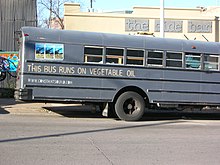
(122, 74)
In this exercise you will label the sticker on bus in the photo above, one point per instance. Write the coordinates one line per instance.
(49, 51)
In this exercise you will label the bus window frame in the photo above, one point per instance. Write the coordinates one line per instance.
(155, 65)
(135, 57)
(93, 55)
(120, 58)
(215, 63)
(124, 57)
(179, 60)
(195, 55)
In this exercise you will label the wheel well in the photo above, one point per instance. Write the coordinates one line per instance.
(134, 89)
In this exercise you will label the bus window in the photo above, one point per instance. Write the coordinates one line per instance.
(211, 62)
(155, 58)
(135, 57)
(114, 55)
(93, 54)
(174, 59)
(193, 61)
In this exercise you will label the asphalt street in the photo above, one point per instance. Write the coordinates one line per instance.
(56, 134)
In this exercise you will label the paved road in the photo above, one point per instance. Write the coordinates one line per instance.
(31, 135)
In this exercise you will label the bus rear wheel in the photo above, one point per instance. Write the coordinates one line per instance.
(130, 106)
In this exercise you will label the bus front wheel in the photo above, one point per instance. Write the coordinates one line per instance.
(130, 106)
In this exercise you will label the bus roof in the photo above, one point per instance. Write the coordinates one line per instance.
(120, 40)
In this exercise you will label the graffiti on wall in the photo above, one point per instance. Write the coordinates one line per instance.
(9, 60)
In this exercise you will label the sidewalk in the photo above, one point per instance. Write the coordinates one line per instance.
(9, 105)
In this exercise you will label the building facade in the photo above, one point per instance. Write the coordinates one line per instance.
(13, 15)
(183, 23)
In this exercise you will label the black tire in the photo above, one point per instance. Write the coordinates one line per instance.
(130, 106)
(111, 111)
(2, 75)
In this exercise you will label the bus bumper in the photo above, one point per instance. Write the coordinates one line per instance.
(23, 94)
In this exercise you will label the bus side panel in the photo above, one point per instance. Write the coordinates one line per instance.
(65, 94)
(49, 87)
(171, 86)
(186, 86)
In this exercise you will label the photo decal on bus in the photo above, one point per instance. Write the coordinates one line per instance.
(49, 51)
